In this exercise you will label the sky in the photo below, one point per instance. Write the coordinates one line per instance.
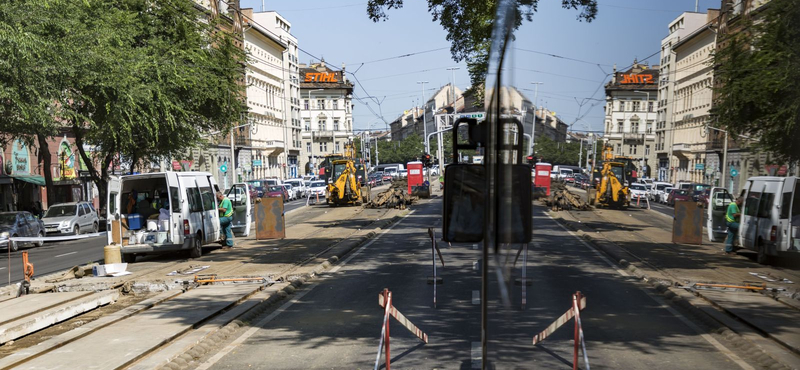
(341, 33)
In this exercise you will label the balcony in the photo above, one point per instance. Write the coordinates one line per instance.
(681, 148)
(630, 136)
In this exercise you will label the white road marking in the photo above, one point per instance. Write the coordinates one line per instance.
(65, 254)
(662, 304)
(475, 265)
(475, 246)
(476, 355)
(2, 268)
(249, 333)
(421, 243)
(476, 297)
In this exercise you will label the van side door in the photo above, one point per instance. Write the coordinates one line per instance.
(718, 202)
(238, 195)
(783, 236)
(794, 220)
(113, 226)
(210, 213)
(178, 207)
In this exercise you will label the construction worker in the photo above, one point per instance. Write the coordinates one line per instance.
(225, 218)
(732, 217)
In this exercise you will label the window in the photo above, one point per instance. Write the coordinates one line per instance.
(337, 146)
(176, 200)
(621, 105)
(786, 205)
(765, 204)
(195, 204)
(619, 148)
(325, 145)
(112, 206)
(647, 150)
(632, 149)
(336, 126)
(649, 106)
(322, 124)
(81, 210)
(320, 103)
(636, 106)
(308, 147)
(649, 127)
(208, 198)
(620, 126)
(308, 124)
(305, 104)
(635, 127)
(320, 148)
(335, 104)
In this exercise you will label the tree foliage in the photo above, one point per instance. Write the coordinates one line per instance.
(469, 23)
(402, 151)
(563, 153)
(757, 74)
(135, 79)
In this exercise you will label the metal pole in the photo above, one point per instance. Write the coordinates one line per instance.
(232, 168)
(424, 118)
(580, 154)
(535, 108)
(724, 166)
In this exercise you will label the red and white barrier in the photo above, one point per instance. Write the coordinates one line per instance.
(385, 301)
(578, 304)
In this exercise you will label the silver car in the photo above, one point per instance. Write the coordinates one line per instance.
(71, 218)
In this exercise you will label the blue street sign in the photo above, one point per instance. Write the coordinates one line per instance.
(734, 172)
(223, 168)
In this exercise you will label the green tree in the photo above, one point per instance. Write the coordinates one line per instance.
(756, 75)
(133, 78)
(469, 23)
(557, 153)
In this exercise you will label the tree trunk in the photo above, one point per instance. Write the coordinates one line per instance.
(44, 150)
(100, 180)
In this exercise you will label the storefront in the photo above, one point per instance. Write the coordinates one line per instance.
(22, 190)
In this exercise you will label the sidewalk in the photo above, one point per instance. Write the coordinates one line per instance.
(641, 240)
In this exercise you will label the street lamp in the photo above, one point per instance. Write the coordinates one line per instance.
(311, 130)
(424, 119)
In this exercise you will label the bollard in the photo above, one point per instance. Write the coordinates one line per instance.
(112, 254)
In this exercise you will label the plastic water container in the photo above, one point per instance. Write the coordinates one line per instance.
(135, 221)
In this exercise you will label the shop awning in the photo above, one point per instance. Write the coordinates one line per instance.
(33, 179)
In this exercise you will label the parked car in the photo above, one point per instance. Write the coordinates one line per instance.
(663, 194)
(19, 224)
(638, 190)
(392, 172)
(276, 191)
(71, 218)
(371, 181)
(318, 188)
(386, 177)
(402, 174)
(376, 179)
(660, 192)
(298, 186)
(291, 194)
(676, 195)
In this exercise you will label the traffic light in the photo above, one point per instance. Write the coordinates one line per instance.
(426, 160)
(531, 160)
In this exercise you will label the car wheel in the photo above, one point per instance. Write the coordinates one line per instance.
(76, 230)
(40, 243)
(197, 248)
(128, 257)
(95, 228)
(13, 245)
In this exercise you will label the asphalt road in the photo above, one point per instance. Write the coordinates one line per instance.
(58, 256)
(335, 322)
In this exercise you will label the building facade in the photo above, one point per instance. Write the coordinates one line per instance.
(326, 113)
(690, 102)
(679, 28)
(630, 114)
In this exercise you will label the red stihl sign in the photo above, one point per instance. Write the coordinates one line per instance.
(636, 79)
(321, 77)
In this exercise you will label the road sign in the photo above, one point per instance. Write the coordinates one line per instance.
(223, 168)
(734, 172)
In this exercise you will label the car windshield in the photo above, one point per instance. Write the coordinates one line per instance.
(61, 211)
(681, 192)
(317, 184)
(638, 187)
(274, 188)
(8, 219)
(287, 186)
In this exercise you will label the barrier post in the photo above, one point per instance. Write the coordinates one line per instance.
(385, 301)
(577, 337)
(386, 337)
(435, 249)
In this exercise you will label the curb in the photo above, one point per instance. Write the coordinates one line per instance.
(746, 348)
(292, 284)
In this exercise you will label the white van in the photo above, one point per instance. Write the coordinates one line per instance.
(186, 218)
(771, 216)
(659, 190)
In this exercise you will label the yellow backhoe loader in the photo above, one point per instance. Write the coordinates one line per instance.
(343, 186)
(612, 189)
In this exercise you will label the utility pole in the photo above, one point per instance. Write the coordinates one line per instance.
(441, 135)
(535, 108)
(424, 119)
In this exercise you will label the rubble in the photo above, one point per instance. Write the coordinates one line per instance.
(562, 199)
(395, 197)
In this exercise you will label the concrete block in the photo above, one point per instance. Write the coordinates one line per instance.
(49, 309)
